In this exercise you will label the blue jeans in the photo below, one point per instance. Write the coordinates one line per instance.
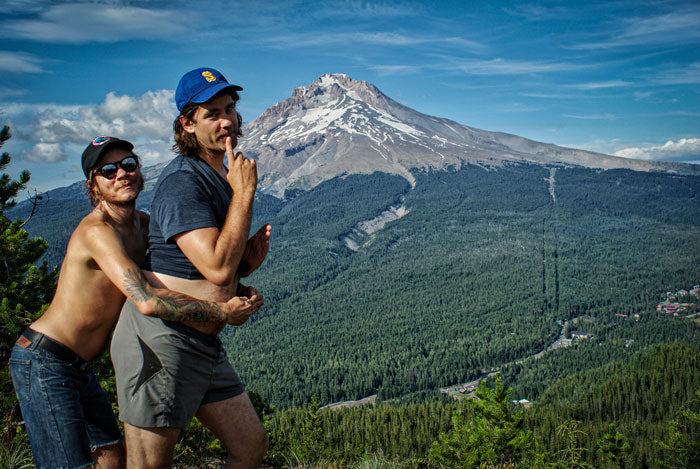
(66, 412)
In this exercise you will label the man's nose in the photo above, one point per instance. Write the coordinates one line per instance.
(229, 121)
(120, 172)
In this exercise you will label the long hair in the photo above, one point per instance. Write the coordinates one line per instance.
(185, 142)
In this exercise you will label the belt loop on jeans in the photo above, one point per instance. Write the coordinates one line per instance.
(37, 339)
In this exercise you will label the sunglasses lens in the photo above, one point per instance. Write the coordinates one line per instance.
(108, 171)
(129, 164)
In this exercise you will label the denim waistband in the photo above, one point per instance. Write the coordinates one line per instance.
(61, 351)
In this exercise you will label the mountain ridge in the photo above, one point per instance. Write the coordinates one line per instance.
(338, 125)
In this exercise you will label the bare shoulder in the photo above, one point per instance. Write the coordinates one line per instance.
(93, 229)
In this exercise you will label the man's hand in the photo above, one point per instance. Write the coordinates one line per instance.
(249, 292)
(255, 251)
(240, 308)
(242, 173)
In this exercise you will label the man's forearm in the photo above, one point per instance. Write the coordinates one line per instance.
(233, 236)
(168, 304)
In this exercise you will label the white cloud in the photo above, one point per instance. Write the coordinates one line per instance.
(95, 22)
(684, 150)
(46, 152)
(53, 132)
(606, 147)
(19, 62)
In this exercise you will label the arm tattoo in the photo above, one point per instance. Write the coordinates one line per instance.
(170, 305)
(136, 286)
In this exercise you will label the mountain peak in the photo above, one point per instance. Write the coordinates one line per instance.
(334, 85)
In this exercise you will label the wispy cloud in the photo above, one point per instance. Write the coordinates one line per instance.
(689, 75)
(366, 10)
(19, 62)
(532, 12)
(600, 85)
(12, 93)
(96, 22)
(604, 116)
(373, 38)
(670, 28)
(500, 66)
(385, 70)
(515, 107)
(685, 149)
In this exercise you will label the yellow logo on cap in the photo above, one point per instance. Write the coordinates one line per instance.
(208, 76)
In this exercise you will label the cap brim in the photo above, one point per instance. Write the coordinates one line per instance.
(208, 93)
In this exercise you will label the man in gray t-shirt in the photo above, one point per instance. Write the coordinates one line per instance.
(200, 221)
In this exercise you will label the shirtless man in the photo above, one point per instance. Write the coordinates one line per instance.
(67, 414)
(167, 372)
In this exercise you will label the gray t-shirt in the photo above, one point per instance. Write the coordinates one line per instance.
(189, 195)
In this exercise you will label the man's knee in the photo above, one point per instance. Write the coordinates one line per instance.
(252, 451)
(150, 448)
(110, 457)
(262, 441)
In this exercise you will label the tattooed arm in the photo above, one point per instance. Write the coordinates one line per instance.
(107, 249)
(175, 306)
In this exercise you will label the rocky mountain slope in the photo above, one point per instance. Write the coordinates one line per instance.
(338, 125)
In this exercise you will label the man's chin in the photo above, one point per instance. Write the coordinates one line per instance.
(124, 201)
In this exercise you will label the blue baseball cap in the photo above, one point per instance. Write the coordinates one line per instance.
(199, 85)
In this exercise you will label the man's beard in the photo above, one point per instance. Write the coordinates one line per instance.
(127, 203)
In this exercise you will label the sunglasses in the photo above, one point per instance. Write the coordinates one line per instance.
(109, 170)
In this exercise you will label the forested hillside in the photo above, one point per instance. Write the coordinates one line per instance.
(475, 276)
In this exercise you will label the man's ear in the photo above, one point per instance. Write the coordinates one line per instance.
(187, 124)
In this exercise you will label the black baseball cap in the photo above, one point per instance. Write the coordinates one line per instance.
(98, 147)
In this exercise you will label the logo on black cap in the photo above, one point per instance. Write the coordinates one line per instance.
(101, 140)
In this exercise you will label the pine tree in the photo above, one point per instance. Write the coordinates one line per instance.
(308, 449)
(681, 449)
(25, 289)
(494, 436)
(573, 455)
(613, 448)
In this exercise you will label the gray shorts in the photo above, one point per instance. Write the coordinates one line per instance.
(166, 370)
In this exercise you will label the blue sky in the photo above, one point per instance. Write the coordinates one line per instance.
(619, 77)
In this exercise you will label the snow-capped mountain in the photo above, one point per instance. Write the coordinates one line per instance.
(338, 125)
